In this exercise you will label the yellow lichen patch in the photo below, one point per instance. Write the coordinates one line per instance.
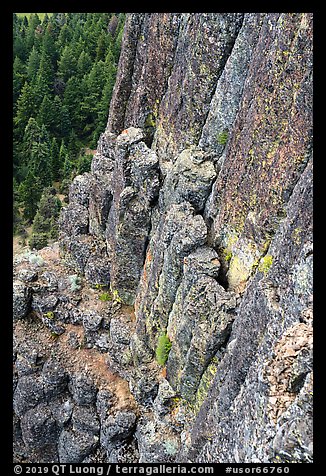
(296, 235)
(265, 263)
(238, 273)
(280, 370)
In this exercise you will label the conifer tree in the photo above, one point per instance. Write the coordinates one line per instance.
(33, 64)
(19, 77)
(25, 109)
(30, 192)
(55, 164)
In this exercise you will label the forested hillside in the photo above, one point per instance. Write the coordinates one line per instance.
(63, 75)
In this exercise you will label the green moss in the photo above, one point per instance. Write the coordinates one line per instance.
(204, 385)
(265, 263)
(163, 348)
(222, 137)
(115, 296)
(99, 286)
(227, 255)
(105, 297)
(150, 120)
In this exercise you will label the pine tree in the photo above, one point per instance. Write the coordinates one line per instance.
(69, 167)
(19, 77)
(46, 114)
(49, 46)
(55, 164)
(44, 78)
(72, 99)
(84, 64)
(63, 75)
(67, 64)
(45, 224)
(63, 152)
(33, 23)
(102, 46)
(45, 20)
(32, 135)
(41, 158)
(25, 109)
(33, 64)
(30, 192)
(73, 146)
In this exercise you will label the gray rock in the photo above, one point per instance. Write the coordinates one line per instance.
(120, 331)
(74, 340)
(92, 321)
(104, 402)
(44, 303)
(24, 367)
(135, 189)
(82, 389)
(74, 219)
(228, 93)
(28, 393)
(27, 275)
(105, 149)
(205, 42)
(102, 342)
(130, 136)
(62, 410)
(144, 387)
(79, 190)
(116, 428)
(54, 328)
(97, 270)
(100, 201)
(50, 280)
(126, 453)
(190, 178)
(76, 250)
(163, 401)
(39, 428)
(74, 446)
(198, 328)
(85, 419)
(55, 379)
(157, 442)
(21, 300)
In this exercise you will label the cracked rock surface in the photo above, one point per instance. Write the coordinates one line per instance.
(191, 239)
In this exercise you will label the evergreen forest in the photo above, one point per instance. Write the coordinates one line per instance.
(64, 71)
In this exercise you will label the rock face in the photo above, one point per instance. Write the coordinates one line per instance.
(194, 228)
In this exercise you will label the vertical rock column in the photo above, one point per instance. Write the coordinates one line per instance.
(135, 190)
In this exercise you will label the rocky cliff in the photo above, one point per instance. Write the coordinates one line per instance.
(191, 237)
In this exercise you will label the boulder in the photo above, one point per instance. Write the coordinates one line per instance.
(74, 446)
(82, 389)
(21, 300)
(39, 428)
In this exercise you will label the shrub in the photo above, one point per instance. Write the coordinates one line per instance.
(163, 348)
(84, 163)
(35, 259)
(38, 241)
(105, 297)
(74, 282)
(115, 296)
